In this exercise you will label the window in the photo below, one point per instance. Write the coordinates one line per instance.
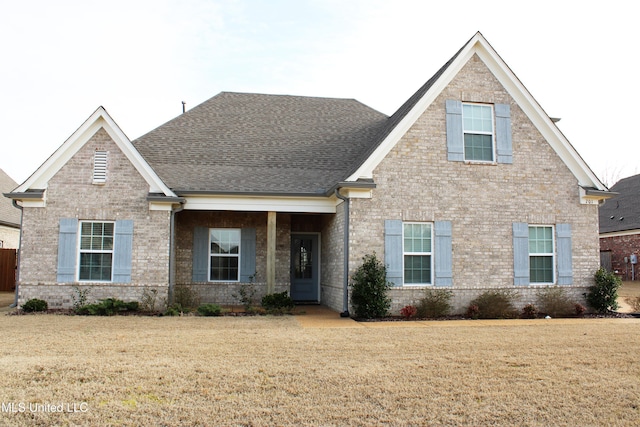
(224, 254)
(100, 167)
(417, 250)
(541, 258)
(96, 251)
(477, 123)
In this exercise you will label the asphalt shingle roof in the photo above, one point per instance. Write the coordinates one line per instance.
(622, 212)
(254, 143)
(9, 215)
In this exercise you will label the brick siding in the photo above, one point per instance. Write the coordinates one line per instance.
(621, 247)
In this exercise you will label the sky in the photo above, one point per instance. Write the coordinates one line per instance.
(140, 59)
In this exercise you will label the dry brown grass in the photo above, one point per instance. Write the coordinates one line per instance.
(271, 371)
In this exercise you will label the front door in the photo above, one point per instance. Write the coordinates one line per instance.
(305, 256)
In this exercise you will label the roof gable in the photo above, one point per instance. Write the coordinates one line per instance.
(411, 111)
(9, 215)
(100, 119)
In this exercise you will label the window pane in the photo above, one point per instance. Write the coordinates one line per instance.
(225, 241)
(417, 269)
(478, 147)
(417, 238)
(95, 266)
(477, 118)
(540, 240)
(541, 269)
(224, 268)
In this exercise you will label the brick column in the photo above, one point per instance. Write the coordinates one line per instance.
(271, 252)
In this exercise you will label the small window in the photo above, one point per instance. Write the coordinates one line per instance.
(96, 251)
(100, 167)
(541, 256)
(417, 250)
(224, 253)
(478, 132)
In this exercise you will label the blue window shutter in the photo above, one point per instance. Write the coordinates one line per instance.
(520, 253)
(393, 250)
(67, 255)
(503, 133)
(200, 255)
(455, 139)
(563, 242)
(247, 254)
(443, 254)
(122, 251)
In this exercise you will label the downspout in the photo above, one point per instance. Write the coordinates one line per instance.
(345, 281)
(16, 205)
(172, 251)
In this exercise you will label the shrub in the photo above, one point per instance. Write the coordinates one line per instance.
(553, 301)
(108, 307)
(174, 310)
(369, 289)
(603, 294)
(580, 309)
(246, 296)
(186, 297)
(277, 303)
(408, 311)
(472, 311)
(529, 311)
(209, 310)
(634, 302)
(495, 304)
(436, 303)
(79, 298)
(148, 300)
(34, 305)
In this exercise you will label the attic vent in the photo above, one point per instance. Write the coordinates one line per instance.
(100, 167)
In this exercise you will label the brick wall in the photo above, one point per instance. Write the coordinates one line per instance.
(71, 194)
(416, 182)
(621, 247)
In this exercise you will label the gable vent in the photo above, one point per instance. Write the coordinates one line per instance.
(100, 167)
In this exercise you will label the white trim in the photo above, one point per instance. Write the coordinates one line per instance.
(620, 233)
(210, 255)
(79, 250)
(100, 119)
(430, 254)
(261, 203)
(478, 45)
(319, 285)
(553, 256)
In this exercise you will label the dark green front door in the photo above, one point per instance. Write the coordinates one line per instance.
(305, 256)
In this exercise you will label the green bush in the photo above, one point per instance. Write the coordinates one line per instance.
(277, 303)
(209, 310)
(436, 303)
(553, 301)
(529, 311)
(34, 305)
(108, 307)
(369, 288)
(494, 304)
(603, 295)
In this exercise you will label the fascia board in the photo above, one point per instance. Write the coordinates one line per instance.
(260, 204)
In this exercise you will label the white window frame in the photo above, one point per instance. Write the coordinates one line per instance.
(551, 254)
(238, 255)
(94, 251)
(475, 132)
(430, 254)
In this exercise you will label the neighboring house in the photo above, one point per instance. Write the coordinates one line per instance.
(9, 215)
(620, 229)
(469, 186)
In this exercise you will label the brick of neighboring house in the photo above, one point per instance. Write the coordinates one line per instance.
(622, 247)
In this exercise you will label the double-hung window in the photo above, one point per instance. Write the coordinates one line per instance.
(96, 251)
(477, 121)
(541, 254)
(417, 251)
(224, 254)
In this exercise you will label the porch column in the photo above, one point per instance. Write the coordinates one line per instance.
(271, 252)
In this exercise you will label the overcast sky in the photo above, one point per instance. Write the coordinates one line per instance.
(62, 59)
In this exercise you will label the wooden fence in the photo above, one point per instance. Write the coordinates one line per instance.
(8, 269)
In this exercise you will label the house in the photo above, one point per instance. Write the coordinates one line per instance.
(469, 186)
(620, 229)
(9, 215)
